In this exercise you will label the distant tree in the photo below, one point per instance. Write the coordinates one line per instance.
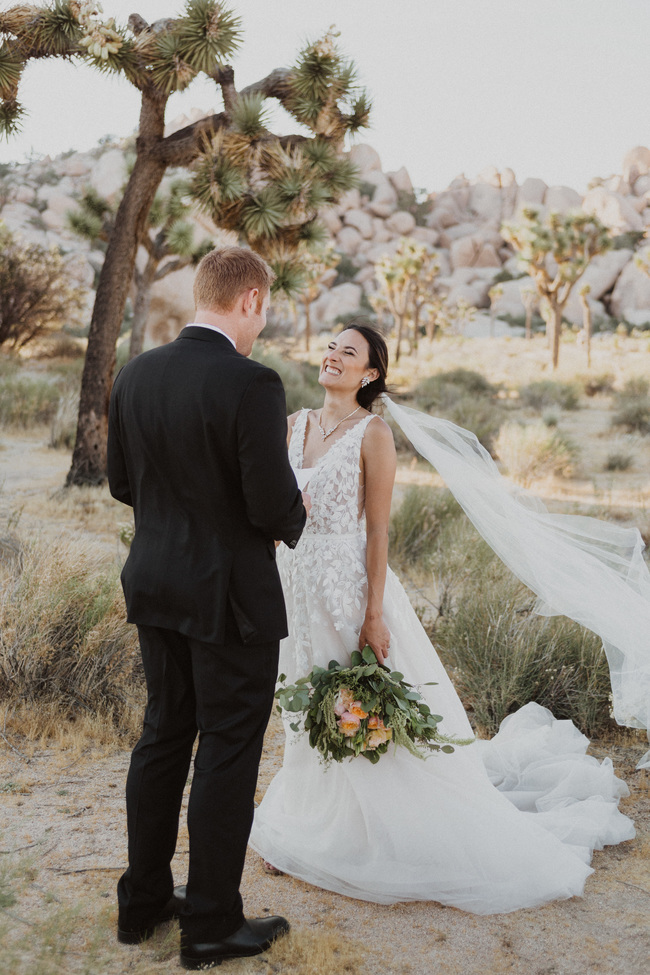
(555, 251)
(249, 178)
(167, 237)
(586, 319)
(407, 289)
(314, 265)
(37, 293)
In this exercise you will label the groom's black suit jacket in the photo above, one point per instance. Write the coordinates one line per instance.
(197, 445)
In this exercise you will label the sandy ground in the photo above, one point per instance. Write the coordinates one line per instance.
(63, 828)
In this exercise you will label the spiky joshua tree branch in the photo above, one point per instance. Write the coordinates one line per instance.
(265, 187)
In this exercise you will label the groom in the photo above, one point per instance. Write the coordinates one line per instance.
(197, 446)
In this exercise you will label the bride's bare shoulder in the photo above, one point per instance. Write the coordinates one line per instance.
(291, 419)
(379, 435)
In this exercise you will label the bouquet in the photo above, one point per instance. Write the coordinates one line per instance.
(360, 710)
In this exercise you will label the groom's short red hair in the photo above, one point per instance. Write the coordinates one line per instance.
(224, 274)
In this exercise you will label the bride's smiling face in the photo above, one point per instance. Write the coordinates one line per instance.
(345, 362)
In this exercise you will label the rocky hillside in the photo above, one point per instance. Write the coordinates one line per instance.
(461, 223)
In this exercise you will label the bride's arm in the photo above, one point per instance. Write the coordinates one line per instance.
(379, 463)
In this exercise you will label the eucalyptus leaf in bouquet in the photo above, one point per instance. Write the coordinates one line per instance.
(360, 709)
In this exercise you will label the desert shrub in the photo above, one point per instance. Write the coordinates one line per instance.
(618, 460)
(64, 640)
(465, 397)
(602, 383)
(634, 387)
(300, 379)
(535, 451)
(633, 415)
(26, 401)
(502, 656)
(548, 392)
(416, 524)
(444, 389)
(550, 418)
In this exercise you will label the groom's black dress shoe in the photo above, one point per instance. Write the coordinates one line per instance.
(252, 938)
(174, 908)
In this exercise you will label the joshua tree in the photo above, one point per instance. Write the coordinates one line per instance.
(555, 251)
(248, 178)
(314, 264)
(36, 292)
(168, 239)
(407, 289)
(586, 319)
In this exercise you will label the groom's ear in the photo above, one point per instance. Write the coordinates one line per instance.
(251, 301)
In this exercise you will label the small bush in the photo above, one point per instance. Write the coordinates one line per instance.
(633, 415)
(618, 461)
(26, 401)
(300, 379)
(444, 389)
(64, 640)
(548, 392)
(550, 418)
(503, 655)
(535, 451)
(480, 415)
(416, 525)
(603, 383)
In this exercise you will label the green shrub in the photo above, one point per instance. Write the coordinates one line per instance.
(480, 415)
(535, 451)
(26, 401)
(300, 379)
(633, 415)
(548, 392)
(502, 656)
(603, 383)
(417, 523)
(618, 461)
(444, 389)
(64, 640)
(634, 387)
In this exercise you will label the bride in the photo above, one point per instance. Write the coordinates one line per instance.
(494, 827)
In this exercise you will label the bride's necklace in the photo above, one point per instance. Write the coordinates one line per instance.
(325, 434)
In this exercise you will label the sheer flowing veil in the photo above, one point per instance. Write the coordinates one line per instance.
(589, 570)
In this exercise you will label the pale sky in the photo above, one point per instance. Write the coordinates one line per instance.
(558, 89)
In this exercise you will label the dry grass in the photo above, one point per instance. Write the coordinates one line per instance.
(534, 451)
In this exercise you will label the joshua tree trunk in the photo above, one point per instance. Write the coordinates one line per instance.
(89, 455)
(586, 324)
(556, 332)
(307, 305)
(400, 332)
(143, 283)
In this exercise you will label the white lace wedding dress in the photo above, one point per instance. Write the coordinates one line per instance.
(496, 826)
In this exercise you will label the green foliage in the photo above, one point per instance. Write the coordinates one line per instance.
(416, 202)
(36, 292)
(633, 406)
(367, 189)
(63, 635)
(11, 68)
(300, 379)
(250, 116)
(25, 401)
(416, 525)
(601, 383)
(534, 451)
(346, 269)
(546, 392)
(630, 240)
(503, 655)
(618, 460)
(179, 237)
(465, 397)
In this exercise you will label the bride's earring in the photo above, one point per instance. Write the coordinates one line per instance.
(365, 382)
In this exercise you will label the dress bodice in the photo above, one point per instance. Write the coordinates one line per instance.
(334, 482)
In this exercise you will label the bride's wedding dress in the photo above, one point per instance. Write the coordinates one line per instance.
(496, 826)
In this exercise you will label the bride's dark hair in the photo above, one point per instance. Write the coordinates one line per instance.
(377, 359)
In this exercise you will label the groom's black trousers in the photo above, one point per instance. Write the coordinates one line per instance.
(224, 693)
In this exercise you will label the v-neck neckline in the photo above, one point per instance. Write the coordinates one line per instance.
(337, 441)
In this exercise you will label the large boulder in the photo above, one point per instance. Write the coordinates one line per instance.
(384, 198)
(342, 300)
(612, 209)
(380, 231)
(485, 202)
(172, 306)
(561, 199)
(642, 185)
(78, 164)
(473, 252)
(465, 229)
(484, 326)
(401, 223)
(18, 216)
(531, 193)
(636, 163)
(361, 221)
(348, 240)
(25, 194)
(425, 235)
(351, 200)
(468, 284)
(573, 311)
(401, 180)
(331, 220)
(109, 174)
(602, 272)
(630, 300)
(510, 301)
(365, 158)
